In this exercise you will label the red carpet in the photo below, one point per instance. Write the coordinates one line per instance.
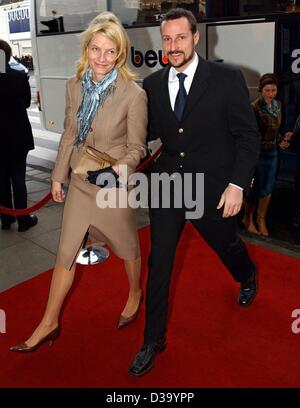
(212, 342)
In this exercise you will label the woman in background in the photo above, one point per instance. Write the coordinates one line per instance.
(268, 112)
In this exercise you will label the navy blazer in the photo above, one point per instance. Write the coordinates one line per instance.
(218, 133)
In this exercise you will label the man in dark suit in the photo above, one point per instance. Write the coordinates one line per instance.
(16, 140)
(206, 125)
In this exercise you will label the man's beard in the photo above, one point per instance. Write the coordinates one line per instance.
(184, 61)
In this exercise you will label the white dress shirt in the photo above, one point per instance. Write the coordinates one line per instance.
(174, 81)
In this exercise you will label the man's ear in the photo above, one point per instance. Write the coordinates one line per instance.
(196, 37)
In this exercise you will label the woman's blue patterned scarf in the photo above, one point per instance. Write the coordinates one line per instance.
(273, 110)
(93, 96)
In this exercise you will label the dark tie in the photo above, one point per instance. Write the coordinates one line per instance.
(181, 96)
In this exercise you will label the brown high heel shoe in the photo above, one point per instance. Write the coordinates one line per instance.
(124, 321)
(50, 337)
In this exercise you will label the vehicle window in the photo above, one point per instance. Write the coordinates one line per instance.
(61, 16)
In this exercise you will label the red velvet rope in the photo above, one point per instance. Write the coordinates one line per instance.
(43, 201)
(29, 210)
(149, 160)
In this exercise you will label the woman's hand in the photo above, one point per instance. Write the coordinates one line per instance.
(286, 141)
(57, 192)
(288, 136)
(284, 144)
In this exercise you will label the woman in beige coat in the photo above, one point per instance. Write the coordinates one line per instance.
(105, 109)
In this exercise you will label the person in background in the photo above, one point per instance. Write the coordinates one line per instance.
(268, 112)
(107, 110)
(16, 141)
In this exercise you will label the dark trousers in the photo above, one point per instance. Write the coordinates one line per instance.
(166, 228)
(13, 192)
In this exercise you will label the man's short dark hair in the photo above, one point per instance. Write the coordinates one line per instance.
(7, 49)
(176, 13)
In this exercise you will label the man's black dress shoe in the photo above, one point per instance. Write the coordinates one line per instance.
(248, 291)
(144, 359)
(31, 221)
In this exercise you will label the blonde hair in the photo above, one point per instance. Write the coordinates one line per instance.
(109, 26)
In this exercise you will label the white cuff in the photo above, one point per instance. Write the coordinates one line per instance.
(240, 188)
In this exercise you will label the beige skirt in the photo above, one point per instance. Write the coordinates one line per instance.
(82, 217)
